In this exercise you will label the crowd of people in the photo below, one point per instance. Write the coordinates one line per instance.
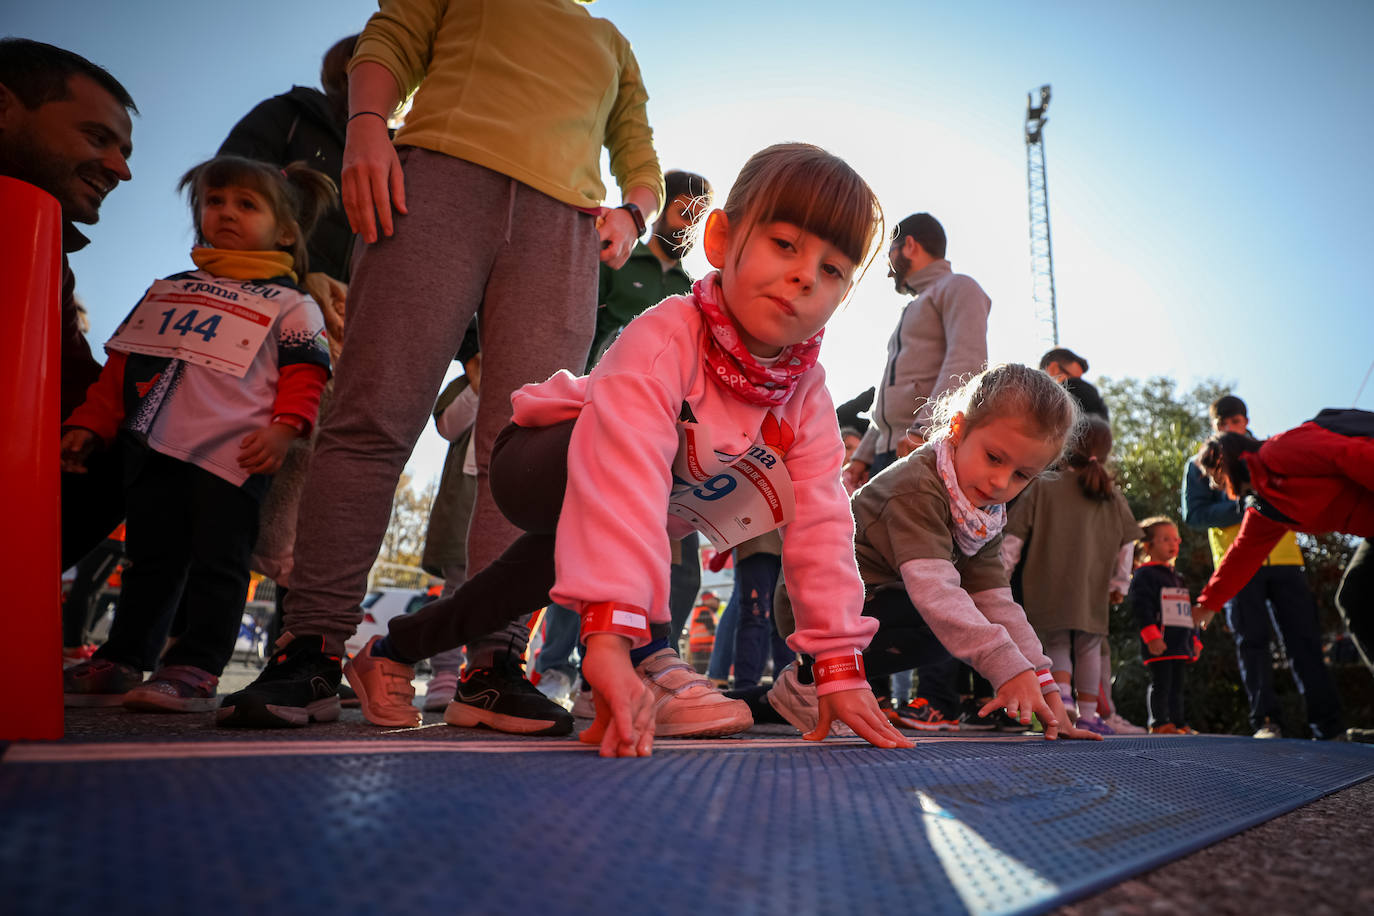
(967, 537)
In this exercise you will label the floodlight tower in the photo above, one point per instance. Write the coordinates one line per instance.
(1037, 191)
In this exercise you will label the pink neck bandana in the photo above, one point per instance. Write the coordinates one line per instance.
(973, 527)
(732, 365)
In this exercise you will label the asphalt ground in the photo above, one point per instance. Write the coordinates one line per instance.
(1314, 860)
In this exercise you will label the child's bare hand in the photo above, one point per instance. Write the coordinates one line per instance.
(76, 447)
(263, 450)
(1156, 645)
(1021, 697)
(859, 710)
(1068, 730)
(624, 725)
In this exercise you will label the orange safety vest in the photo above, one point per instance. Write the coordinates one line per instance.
(701, 636)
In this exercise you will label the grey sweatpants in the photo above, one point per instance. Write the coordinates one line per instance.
(473, 237)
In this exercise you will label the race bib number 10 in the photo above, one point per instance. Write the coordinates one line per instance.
(1177, 607)
(208, 323)
(729, 503)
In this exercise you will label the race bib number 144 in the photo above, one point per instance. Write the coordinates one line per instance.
(211, 323)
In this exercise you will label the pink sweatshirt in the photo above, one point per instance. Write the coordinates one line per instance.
(614, 531)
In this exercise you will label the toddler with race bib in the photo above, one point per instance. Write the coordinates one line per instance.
(928, 533)
(709, 412)
(1169, 640)
(209, 379)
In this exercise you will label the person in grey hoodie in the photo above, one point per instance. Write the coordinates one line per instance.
(941, 338)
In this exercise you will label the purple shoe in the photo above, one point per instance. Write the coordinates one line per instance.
(1095, 725)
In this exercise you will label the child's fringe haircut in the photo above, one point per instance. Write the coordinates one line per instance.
(297, 194)
(804, 185)
(1009, 389)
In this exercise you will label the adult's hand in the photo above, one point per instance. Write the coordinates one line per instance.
(372, 178)
(616, 227)
(855, 475)
(908, 444)
(332, 297)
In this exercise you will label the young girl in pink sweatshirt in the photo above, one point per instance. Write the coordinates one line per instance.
(709, 412)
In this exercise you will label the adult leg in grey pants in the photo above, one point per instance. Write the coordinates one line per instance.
(472, 235)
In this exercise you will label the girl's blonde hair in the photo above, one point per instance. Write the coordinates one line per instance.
(814, 190)
(1008, 390)
(1150, 526)
(297, 195)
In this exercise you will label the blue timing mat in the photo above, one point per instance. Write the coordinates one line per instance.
(418, 826)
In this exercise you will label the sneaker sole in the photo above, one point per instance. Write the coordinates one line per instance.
(93, 700)
(731, 724)
(160, 702)
(465, 716)
(438, 704)
(269, 716)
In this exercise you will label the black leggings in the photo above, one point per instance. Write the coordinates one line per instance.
(529, 475)
(904, 640)
(1165, 696)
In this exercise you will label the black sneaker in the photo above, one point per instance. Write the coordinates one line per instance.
(970, 721)
(501, 698)
(1006, 723)
(300, 685)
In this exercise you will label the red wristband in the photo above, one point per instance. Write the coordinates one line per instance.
(618, 618)
(1046, 679)
(839, 668)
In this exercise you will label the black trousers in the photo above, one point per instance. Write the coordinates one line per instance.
(1355, 600)
(904, 640)
(190, 535)
(1165, 694)
(92, 503)
(529, 475)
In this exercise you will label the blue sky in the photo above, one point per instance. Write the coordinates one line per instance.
(1210, 191)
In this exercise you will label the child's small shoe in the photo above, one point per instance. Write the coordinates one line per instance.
(98, 682)
(685, 703)
(1120, 726)
(798, 704)
(384, 688)
(1168, 728)
(1095, 725)
(175, 688)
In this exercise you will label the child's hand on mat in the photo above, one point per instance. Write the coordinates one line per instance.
(77, 445)
(859, 710)
(1056, 704)
(263, 450)
(1156, 645)
(624, 725)
(1021, 697)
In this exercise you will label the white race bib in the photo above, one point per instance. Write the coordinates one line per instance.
(216, 323)
(728, 502)
(1177, 607)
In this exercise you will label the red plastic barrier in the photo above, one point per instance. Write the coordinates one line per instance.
(30, 533)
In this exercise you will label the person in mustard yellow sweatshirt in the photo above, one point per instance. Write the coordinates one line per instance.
(490, 195)
(1277, 595)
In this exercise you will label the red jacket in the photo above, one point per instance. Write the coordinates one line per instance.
(1322, 480)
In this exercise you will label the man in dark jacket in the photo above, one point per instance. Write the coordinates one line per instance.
(65, 127)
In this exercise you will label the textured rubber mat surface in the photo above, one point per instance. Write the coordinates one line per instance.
(949, 827)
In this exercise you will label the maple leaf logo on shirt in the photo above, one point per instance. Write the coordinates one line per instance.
(144, 387)
(777, 434)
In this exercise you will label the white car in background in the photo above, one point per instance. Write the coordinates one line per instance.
(379, 606)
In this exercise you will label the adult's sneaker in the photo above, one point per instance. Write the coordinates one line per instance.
(440, 690)
(98, 682)
(1095, 725)
(685, 703)
(919, 715)
(501, 698)
(798, 704)
(1122, 726)
(557, 686)
(584, 704)
(175, 688)
(300, 685)
(384, 688)
(971, 721)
